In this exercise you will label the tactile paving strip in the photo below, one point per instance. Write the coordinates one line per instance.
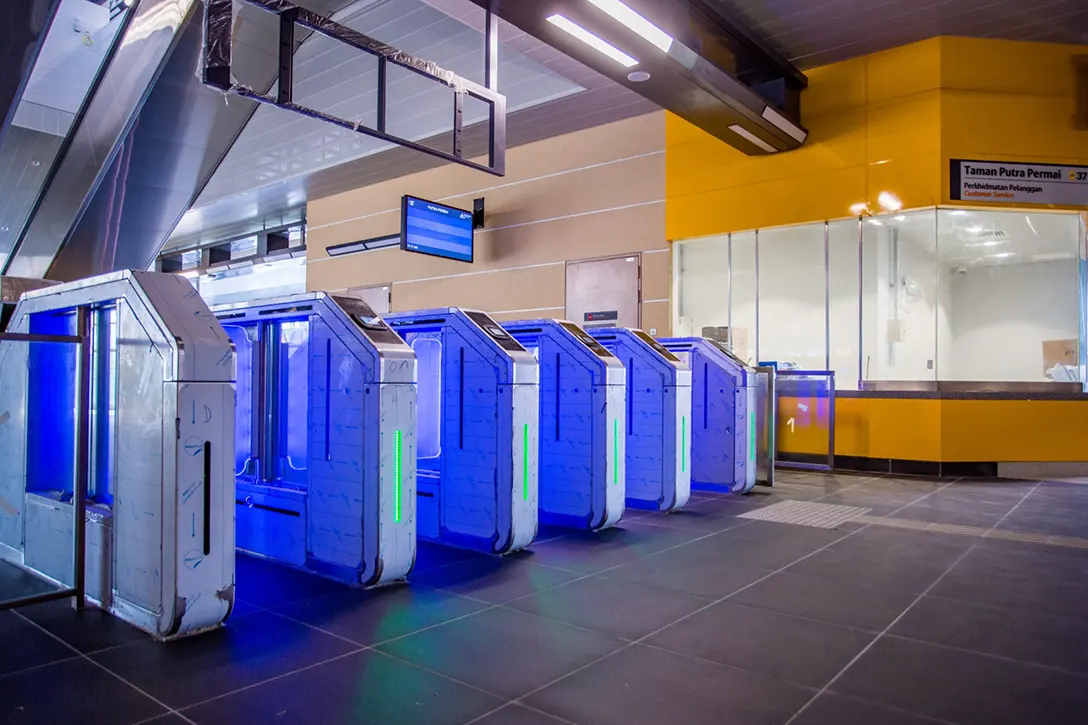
(806, 513)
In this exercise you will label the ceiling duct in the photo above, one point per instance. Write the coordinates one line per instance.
(684, 55)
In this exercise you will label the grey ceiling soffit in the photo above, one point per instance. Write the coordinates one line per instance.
(148, 141)
(21, 35)
(684, 55)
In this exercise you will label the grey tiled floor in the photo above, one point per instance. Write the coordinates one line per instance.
(695, 617)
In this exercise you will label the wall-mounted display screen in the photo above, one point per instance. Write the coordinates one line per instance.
(435, 229)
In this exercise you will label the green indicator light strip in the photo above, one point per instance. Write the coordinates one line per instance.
(525, 463)
(615, 451)
(396, 476)
(752, 428)
(683, 443)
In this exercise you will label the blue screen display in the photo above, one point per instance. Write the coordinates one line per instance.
(435, 229)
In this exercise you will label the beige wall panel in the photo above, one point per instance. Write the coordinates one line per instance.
(584, 237)
(655, 315)
(620, 184)
(656, 275)
(517, 289)
(552, 313)
(631, 137)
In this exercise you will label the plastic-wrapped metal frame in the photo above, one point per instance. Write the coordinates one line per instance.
(216, 72)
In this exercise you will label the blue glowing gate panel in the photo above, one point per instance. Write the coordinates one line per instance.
(582, 425)
(325, 450)
(478, 465)
(658, 419)
(722, 415)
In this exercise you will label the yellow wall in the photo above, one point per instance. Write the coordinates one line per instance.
(885, 122)
(952, 431)
(890, 122)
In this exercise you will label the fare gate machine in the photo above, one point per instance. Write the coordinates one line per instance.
(658, 419)
(723, 415)
(476, 439)
(159, 407)
(324, 447)
(583, 424)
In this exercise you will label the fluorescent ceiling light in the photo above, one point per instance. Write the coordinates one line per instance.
(889, 201)
(592, 40)
(1000, 255)
(748, 135)
(789, 127)
(635, 22)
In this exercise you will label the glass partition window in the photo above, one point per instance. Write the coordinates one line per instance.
(743, 316)
(703, 298)
(899, 297)
(971, 295)
(793, 297)
(844, 304)
(1010, 302)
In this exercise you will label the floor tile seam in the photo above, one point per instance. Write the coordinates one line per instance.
(265, 681)
(415, 665)
(811, 620)
(570, 625)
(1018, 504)
(893, 708)
(512, 703)
(314, 627)
(880, 636)
(107, 670)
(39, 666)
(660, 629)
(690, 531)
(923, 498)
(990, 655)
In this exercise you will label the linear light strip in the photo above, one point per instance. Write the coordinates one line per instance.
(636, 23)
(598, 44)
(396, 476)
(615, 451)
(525, 463)
(752, 429)
(749, 136)
(683, 443)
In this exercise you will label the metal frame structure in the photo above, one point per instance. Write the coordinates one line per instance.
(83, 460)
(216, 72)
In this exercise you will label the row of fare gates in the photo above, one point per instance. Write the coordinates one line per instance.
(312, 432)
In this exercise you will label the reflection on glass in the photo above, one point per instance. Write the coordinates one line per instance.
(844, 330)
(429, 396)
(743, 335)
(243, 401)
(792, 297)
(702, 285)
(900, 311)
(1010, 284)
(294, 388)
(79, 39)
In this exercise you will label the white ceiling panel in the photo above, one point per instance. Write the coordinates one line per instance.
(278, 146)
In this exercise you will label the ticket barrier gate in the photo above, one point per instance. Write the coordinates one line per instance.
(658, 419)
(583, 425)
(476, 440)
(324, 446)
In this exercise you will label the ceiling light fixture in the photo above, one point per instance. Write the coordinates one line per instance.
(636, 23)
(638, 76)
(789, 127)
(749, 136)
(889, 201)
(565, 24)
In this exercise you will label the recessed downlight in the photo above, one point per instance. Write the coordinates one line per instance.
(638, 76)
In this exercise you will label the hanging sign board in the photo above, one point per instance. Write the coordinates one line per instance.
(1008, 183)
